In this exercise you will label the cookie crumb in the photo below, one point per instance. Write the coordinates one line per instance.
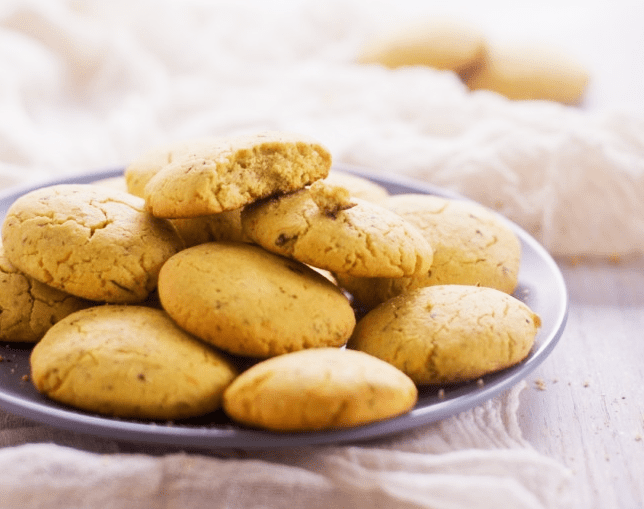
(586, 383)
(638, 438)
(441, 393)
(480, 382)
(540, 384)
(25, 378)
(330, 199)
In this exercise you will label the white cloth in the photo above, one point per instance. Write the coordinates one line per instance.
(474, 459)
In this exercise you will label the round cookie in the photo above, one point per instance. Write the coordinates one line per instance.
(472, 246)
(139, 171)
(28, 308)
(317, 390)
(234, 171)
(90, 241)
(192, 230)
(358, 187)
(323, 227)
(253, 303)
(530, 72)
(443, 44)
(130, 362)
(448, 333)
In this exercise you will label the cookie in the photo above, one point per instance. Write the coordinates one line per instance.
(443, 44)
(358, 187)
(324, 227)
(318, 389)
(523, 72)
(472, 246)
(90, 241)
(232, 172)
(448, 333)
(28, 308)
(193, 230)
(225, 225)
(249, 302)
(130, 362)
(139, 171)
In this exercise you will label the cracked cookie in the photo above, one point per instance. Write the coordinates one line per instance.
(472, 246)
(131, 362)
(317, 390)
(224, 225)
(28, 308)
(90, 241)
(139, 171)
(249, 302)
(448, 333)
(325, 227)
(233, 171)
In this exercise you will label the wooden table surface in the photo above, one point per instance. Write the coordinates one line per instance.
(584, 405)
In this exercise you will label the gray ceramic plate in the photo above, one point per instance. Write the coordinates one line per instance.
(541, 286)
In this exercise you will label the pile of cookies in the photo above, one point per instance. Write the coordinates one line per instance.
(244, 273)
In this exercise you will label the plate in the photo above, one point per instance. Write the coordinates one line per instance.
(541, 286)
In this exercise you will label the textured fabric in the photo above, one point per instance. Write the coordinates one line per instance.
(474, 459)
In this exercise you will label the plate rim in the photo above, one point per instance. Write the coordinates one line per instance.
(203, 437)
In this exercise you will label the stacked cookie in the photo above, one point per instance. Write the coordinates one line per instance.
(222, 253)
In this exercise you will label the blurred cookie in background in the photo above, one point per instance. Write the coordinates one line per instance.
(443, 44)
(516, 71)
(531, 72)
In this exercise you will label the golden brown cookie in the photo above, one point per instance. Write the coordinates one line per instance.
(192, 230)
(232, 172)
(358, 187)
(324, 227)
(212, 228)
(317, 390)
(139, 171)
(131, 362)
(448, 333)
(443, 44)
(250, 302)
(472, 246)
(90, 241)
(28, 308)
(523, 72)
